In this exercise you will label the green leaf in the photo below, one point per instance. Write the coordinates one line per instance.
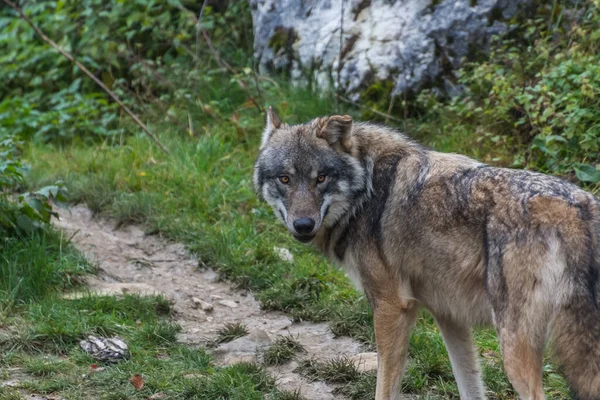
(587, 173)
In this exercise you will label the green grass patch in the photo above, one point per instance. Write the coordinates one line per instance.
(282, 351)
(177, 371)
(336, 370)
(34, 266)
(231, 332)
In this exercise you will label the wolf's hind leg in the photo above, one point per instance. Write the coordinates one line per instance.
(463, 358)
(393, 321)
(522, 362)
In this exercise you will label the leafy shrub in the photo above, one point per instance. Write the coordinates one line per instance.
(22, 212)
(143, 50)
(539, 94)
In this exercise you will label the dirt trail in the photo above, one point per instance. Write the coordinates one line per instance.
(130, 261)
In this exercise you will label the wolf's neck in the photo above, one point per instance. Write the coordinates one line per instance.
(387, 160)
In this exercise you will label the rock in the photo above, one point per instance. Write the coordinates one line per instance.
(216, 297)
(411, 43)
(284, 254)
(117, 289)
(158, 396)
(228, 303)
(244, 349)
(105, 349)
(365, 362)
(204, 306)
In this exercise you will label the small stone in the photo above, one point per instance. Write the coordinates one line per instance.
(157, 396)
(228, 303)
(192, 376)
(365, 362)
(216, 297)
(283, 254)
(204, 306)
(118, 289)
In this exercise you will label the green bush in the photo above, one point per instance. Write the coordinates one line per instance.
(143, 50)
(22, 212)
(538, 96)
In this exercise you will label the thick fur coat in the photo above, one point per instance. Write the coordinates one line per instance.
(471, 243)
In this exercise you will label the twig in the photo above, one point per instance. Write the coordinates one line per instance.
(223, 63)
(389, 111)
(339, 68)
(345, 100)
(69, 57)
(198, 29)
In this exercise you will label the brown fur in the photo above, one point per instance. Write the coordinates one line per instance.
(471, 243)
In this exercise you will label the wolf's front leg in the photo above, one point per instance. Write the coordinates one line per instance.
(463, 357)
(393, 321)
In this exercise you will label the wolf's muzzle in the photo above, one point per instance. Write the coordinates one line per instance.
(304, 229)
(304, 226)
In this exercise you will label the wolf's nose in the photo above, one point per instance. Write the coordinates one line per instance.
(304, 226)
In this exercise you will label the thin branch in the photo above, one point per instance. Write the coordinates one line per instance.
(198, 29)
(69, 57)
(339, 68)
(389, 111)
(345, 100)
(223, 63)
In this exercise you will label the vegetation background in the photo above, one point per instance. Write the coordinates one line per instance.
(533, 103)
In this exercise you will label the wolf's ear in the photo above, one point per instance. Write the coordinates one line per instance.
(337, 130)
(273, 122)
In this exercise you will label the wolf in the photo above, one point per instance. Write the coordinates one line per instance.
(472, 243)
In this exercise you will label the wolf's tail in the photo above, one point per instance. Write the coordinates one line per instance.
(577, 344)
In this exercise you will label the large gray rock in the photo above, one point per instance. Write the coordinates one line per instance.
(414, 43)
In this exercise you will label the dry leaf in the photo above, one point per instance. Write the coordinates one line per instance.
(137, 381)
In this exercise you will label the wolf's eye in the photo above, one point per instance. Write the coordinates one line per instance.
(321, 178)
(284, 179)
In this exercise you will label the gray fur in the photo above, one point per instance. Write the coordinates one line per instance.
(473, 244)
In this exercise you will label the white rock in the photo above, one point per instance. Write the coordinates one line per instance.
(118, 289)
(284, 254)
(365, 362)
(410, 42)
(204, 305)
(228, 303)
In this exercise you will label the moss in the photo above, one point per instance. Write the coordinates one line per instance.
(282, 38)
(496, 14)
(377, 96)
(432, 6)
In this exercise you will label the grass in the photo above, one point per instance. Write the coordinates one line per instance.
(282, 351)
(34, 266)
(40, 334)
(231, 331)
(336, 370)
(55, 327)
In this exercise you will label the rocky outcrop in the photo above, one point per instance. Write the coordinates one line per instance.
(412, 43)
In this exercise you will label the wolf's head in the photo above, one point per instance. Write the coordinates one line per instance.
(310, 174)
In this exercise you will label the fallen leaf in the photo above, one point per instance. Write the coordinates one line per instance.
(94, 366)
(137, 381)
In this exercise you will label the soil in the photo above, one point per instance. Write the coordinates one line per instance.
(130, 261)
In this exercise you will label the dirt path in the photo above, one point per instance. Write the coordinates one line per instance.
(130, 261)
